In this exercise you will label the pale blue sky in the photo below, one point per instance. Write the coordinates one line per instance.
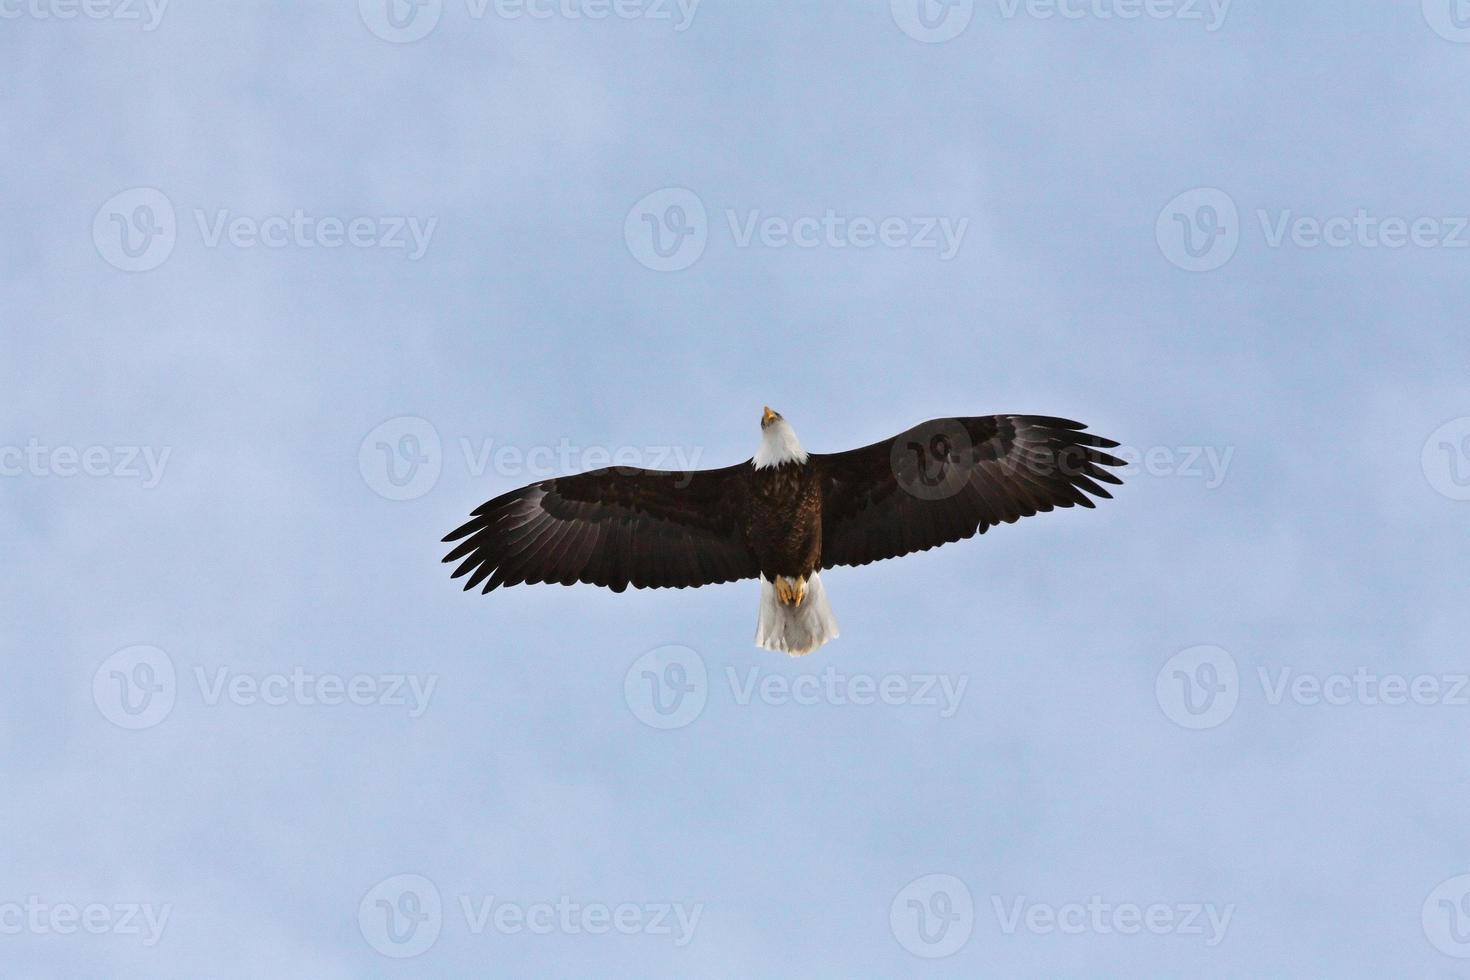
(192, 465)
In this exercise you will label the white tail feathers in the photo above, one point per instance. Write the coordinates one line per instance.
(796, 630)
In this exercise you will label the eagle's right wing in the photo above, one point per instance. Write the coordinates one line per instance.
(612, 527)
(950, 479)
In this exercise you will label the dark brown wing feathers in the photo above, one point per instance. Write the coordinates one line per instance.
(942, 481)
(613, 527)
(951, 479)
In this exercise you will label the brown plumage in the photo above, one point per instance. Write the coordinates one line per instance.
(783, 525)
(941, 481)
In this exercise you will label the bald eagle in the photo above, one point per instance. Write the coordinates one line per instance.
(784, 515)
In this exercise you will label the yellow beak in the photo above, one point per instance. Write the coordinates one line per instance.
(767, 416)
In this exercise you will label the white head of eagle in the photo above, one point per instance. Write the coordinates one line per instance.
(779, 444)
(784, 515)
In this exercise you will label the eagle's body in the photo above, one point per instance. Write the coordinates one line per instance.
(783, 515)
(783, 526)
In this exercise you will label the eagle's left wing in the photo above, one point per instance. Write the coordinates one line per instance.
(612, 527)
(950, 479)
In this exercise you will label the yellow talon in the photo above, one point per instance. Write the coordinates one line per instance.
(790, 591)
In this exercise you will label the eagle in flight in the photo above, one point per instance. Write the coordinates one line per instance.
(784, 515)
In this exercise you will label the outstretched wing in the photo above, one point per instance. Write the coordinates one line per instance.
(951, 479)
(612, 527)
